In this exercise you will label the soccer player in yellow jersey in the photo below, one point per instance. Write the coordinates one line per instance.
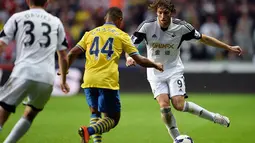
(103, 47)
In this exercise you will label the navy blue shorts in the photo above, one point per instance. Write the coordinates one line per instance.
(105, 100)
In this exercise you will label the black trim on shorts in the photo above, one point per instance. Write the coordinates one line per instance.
(8, 108)
(185, 96)
(33, 107)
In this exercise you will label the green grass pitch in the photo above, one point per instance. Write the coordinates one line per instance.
(141, 122)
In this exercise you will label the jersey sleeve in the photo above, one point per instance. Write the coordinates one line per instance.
(190, 33)
(9, 31)
(62, 41)
(128, 46)
(82, 43)
(139, 35)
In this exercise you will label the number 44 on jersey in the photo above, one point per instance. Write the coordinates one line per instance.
(106, 49)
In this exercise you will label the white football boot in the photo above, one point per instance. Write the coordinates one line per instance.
(222, 120)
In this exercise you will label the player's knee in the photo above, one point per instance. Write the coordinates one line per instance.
(30, 113)
(178, 106)
(30, 116)
(115, 117)
(163, 102)
(178, 102)
(116, 122)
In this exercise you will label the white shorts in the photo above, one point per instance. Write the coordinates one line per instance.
(173, 86)
(16, 89)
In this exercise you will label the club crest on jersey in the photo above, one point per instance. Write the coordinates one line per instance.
(162, 46)
(171, 34)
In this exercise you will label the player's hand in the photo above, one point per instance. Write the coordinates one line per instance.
(130, 62)
(159, 67)
(236, 49)
(65, 87)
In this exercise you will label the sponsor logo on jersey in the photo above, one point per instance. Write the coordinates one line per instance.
(154, 36)
(162, 46)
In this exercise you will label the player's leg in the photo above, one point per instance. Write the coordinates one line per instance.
(161, 93)
(39, 94)
(12, 93)
(109, 104)
(22, 126)
(4, 115)
(92, 100)
(178, 94)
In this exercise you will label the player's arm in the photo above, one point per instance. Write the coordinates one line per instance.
(78, 49)
(62, 57)
(144, 62)
(62, 61)
(132, 51)
(137, 38)
(191, 33)
(8, 33)
(217, 43)
(73, 54)
(2, 47)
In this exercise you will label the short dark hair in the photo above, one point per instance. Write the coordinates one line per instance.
(114, 13)
(162, 3)
(38, 2)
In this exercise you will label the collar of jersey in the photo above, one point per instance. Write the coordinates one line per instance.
(109, 23)
(37, 9)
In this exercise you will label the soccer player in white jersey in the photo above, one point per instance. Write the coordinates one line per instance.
(38, 36)
(163, 36)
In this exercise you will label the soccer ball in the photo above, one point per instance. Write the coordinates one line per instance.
(183, 139)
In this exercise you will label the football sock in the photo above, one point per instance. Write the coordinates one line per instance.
(102, 126)
(0, 128)
(97, 138)
(18, 130)
(198, 110)
(170, 122)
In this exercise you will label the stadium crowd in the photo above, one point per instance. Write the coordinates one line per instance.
(231, 21)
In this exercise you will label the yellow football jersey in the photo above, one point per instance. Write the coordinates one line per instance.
(103, 47)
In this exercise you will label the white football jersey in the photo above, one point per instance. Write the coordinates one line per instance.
(38, 35)
(163, 45)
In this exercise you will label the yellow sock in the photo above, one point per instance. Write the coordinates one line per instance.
(103, 125)
(97, 138)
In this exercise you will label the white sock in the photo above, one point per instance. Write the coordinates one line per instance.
(198, 110)
(170, 122)
(0, 128)
(18, 130)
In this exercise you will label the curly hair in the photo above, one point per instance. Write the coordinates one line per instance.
(162, 3)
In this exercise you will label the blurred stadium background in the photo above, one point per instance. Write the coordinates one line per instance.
(210, 73)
